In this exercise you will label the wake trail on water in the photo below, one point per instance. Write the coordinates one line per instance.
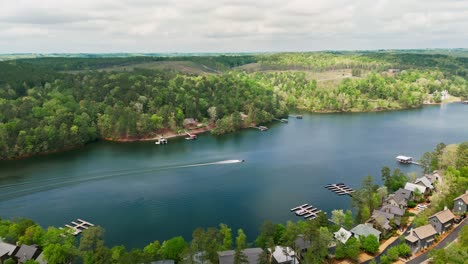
(109, 174)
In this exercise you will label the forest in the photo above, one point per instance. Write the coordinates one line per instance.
(52, 103)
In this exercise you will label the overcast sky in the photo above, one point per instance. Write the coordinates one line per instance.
(230, 26)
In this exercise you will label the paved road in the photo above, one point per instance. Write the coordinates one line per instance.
(448, 239)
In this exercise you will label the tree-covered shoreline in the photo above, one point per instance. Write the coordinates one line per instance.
(45, 108)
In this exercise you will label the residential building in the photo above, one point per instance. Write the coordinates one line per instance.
(302, 243)
(342, 235)
(412, 186)
(442, 221)
(365, 230)
(7, 251)
(26, 252)
(400, 198)
(284, 255)
(460, 204)
(421, 237)
(423, 181)
(227, 257)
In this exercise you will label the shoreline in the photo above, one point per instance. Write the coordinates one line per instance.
(170, 134)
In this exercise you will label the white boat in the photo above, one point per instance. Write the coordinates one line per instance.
(161, 141)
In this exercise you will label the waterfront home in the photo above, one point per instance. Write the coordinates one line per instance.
(302, 244)
(460, 204)
(342, 235)
(284, 255)
(442, 221)
(385, 216)
(26, 252)
(434, 177)
(400, 198)
(365, 230)
(189, 123)
(412, 187)
(7, 251)
(421, 237)
(423, 181)
(227, 257)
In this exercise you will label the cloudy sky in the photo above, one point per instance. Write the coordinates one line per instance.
(230, 26)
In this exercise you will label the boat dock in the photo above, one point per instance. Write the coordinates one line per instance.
(296, 116)
(78, 226)
(407, 160)
(190, 136)
(307, 211)
(282, 120)
(261, 128)
(340, 189)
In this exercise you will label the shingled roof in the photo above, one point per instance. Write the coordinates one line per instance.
(444, 216)
(425, 231)
(464, 197)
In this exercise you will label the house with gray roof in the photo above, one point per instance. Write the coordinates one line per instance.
(433, 178)
(6, 251)
(442, 221)
(460, 204)
(26, 252)
(284, 255)
(365, 230)
(302, 243)
(227, 257)
(423, 181)
(40, 259)
(342, 235)
(413, 186)
(400, 198)
(421, 237)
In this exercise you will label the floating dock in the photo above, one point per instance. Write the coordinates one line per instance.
(78, 226)
(307, 211)
(282, 120)
(340, 189)
(296, 116)
(261, 128)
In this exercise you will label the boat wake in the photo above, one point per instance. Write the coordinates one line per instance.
(47, 184)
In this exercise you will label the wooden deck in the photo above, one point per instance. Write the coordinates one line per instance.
(78, 226)
(340, 189)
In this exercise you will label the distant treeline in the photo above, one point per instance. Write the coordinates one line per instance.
(44, 108)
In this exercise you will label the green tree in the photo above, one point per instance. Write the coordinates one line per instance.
(239, 255)
(152, 250)
(438, 256)
(173, 248)
(370, 244)
(225, 231)
(338, 217)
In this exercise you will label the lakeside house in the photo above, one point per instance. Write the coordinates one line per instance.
(189, 123)
(284, 255)
(434, 177)
(26, 252)
(442, 221)
(7, 250)
(423, 181)
(227, 256)
(412, 187)
(421, 237)
(342, 235)
(302, 244)
(365, 230)
(460, 204)
(400, 198)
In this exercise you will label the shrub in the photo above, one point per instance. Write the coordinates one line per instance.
(370, 244)
(411, 204)
(385, 260)
(404, 250)
(392, 254)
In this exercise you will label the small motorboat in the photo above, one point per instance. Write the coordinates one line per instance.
(161, 141)
(191, 137)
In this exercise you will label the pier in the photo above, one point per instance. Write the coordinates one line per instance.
(296, 116)
(78, 226)
(190, 136)
(307, 211)
(282, 120)
(340, 189)
(261, 128)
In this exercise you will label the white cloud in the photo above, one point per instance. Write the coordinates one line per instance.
(223, 25)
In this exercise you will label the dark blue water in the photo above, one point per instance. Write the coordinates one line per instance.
(141, 192)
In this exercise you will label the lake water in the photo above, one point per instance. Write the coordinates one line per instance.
(141, 192)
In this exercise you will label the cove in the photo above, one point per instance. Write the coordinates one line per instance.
(141, 192)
